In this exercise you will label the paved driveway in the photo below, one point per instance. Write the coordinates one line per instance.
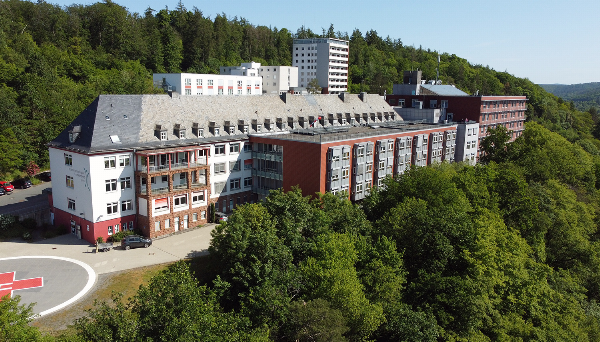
(185, 244)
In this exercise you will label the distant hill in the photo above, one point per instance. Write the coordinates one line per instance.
(584, 95)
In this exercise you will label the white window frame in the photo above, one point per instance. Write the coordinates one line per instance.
(70, 182)
(110, 162)
(71, 204)
(111, 185)
(112, 208)
(68, 159)
(124, 160)
(125, 183)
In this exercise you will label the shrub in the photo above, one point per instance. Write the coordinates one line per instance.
(29, 223)
(117, 237)
(27, 236)
(6, 221)
(100, 240)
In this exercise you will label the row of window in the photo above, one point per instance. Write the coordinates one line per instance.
(176, 220)
(111, 184)
(503, 104)
(234, 184)
(113, 207)
(117, 227)
(503, 115)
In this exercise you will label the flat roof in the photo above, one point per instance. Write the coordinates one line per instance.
(353, 133)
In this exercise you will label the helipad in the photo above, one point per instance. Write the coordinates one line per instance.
(49, 281)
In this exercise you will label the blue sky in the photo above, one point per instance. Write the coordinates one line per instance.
(547, 41)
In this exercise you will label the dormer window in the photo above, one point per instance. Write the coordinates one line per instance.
(182, 134)
(258, 128)
(200, 132)
(216, 131)
(74, 133)
(231, 130)
(163, 135)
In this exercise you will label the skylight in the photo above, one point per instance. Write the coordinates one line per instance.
(115, 139)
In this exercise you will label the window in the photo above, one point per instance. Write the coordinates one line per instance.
(234, 184)
(188, 91)
(182, 134)
(70, 183)
(110, 230)
(219, 150)
(248, 164)
(125, 183)
(110, 162)
(220, 92)
(194, 217)
(335, 177)
(359, 187)
(163, 135)
(111, 185)
(247, 182)
(68, 159)
(247, 146)
(381, 165)
(230, 91)
(199, 82)
(70, 204)
(369, 167)
(401, 102)
(126, 205)
(248, 91)
(219, 168)
(346, 156)
(203, 214)
(239, 83)
(345, 173)
(234, 166)
(220, 187)
(210, 82)
(198, 197)
(180, 200)
(157, 226)
(200, 132)
(124, 161)
(188, 81)
(161, 204)
(112, 208)
(130, 225)
(234, 148)
(167, 223)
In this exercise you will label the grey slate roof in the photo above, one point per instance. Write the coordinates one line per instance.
(133, 118)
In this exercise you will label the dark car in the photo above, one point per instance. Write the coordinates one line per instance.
(2, 192)
(45, 176)
(135, 241)
(220, 217)
(6, 186)
(22, 183)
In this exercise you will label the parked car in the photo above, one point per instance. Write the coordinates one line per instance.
(45, 176)
(134, 241)
(23, 183)
(220, 217)
(6, 186)
(2, 192)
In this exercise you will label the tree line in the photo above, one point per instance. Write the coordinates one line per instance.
(55, 60)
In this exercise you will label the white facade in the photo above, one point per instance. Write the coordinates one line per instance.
(209, 84)
(230, 169)
(467, 140)
(325, 59)
(96, 188)
(245, 69)
(278, 79)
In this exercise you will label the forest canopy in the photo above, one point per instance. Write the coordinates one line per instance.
(55, 60)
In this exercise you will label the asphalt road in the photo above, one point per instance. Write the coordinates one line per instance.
(24, 198)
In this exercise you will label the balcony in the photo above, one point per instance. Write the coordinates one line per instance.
(268, 174)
